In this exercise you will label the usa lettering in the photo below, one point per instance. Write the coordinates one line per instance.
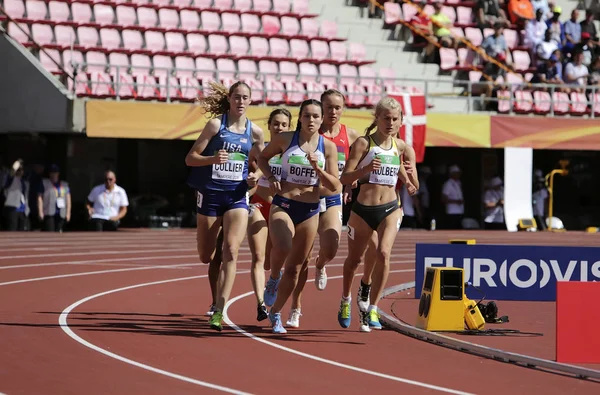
(522, 273)
(231, 147)
(386, 171)
(231, 167)
(298, 171)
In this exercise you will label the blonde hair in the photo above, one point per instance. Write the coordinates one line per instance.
(217, 101)
(387, 103)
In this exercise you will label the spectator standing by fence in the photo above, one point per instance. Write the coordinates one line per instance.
(54, 202)
(16, 201)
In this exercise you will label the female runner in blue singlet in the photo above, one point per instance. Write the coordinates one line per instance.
(219, 162)
(375, 162)
(307, 160)
(260, 207)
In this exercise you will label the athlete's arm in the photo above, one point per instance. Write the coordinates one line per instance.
(275, 147)
(258, 144)
(352, 137)
(410, 165)
(330, 176)
(357, 151)
(402, 175)
(195, 157)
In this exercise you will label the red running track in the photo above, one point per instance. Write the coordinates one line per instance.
(123, 313)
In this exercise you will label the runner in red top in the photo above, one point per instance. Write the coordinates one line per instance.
(330, 217)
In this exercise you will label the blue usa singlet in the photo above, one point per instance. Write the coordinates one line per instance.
(231, 175)
(296, 168)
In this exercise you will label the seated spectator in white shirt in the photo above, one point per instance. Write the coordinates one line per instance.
(54, 201)
(576, 73)
(535, 30)
(546, 48)
(493, 200)
(452, 198)
(107, 204)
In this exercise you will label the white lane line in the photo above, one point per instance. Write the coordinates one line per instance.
(62, 320)
(329, 361)
(103, 252)
(129, 269)
(87, 262)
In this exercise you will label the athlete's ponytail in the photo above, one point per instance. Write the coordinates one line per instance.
(217, 101)
(304, 104)
(387, 103)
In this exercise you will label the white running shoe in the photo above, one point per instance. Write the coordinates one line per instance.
(294, 319)
(320, 279)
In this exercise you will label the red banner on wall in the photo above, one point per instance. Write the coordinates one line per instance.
(413, 130)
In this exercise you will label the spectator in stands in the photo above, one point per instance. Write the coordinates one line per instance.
(107, 204)
(594, 72)
(442, 25)
(422, 23)
(556, 27)
(587, 26)
(539, 197)
(491, 72)
(452, 198)
(541, 5)
(493, 200)
(535, 31)
(495, 44)
(520, 11)
(16, 199)
(54, 201)
(547, 72)
(576, 73)
(546, 48)
(586, 47)
(572, 30)
(489, 13)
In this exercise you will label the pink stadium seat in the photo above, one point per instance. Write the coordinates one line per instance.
(308, 72)
(562, 103)
(140, 64)
(36, 10)
(231, 23)
(357, 53)
(299, 50)
(392, 13)
(146, 87)
(259, 47)
(474, 76)
(367, 79)
(162, 65)
(511, 37)
(450, 13)
(288, 71)
(202, 4)
(275, 92)
(239, 47)
(250, 24)
(595, 103)
(301, 8)
(82, 13)
(155, 41)
(387, 75)
(169, 18)
(242, 5)
(182, 3)
(42, 34)
(132, 40)
(96, 62)
(147, 17)
(46, 57)
(268, 69)
(328, 75)
(310, 27)
(457, 31)
(409, 11)
(523, 101)
(184, 66)
(205, 69)
(88, 37)
(226, 69)
(279, 48)
(126, 15)
(338, 51)
(487, 32)
(189, 88)
(464, 16)
(474, 35)
(19, 34)
(70, 59)
(190, 20)
(168, 87)
(58, 11)
(104, 14)
(81, 83)
(328, 30)
(119, 60)
(247, 69)
(295, 91)
(504, 101)
(223, 5)
(448, 59)
(196, 44)
(281, 6)
(319, 50)
(124, 85)
(262, 6)
(217, 45)
(515, 79)
(578, 103)
(270, 25)
(211, 22)
(521, 60)
(175, 42)
(110, 38)
(290, 27)
(542, 102)
(314, 90)
(348, 74)
(15, 8)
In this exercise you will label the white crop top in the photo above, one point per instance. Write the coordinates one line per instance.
(390, 164)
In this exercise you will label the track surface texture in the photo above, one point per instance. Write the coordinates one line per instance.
(124, 313)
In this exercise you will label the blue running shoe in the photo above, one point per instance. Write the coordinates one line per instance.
(276, 323)
(344, 314)
(373, 318)
(271, 290)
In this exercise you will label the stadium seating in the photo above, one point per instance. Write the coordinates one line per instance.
(133, 48)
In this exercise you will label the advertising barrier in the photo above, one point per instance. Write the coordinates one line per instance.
(505, 272)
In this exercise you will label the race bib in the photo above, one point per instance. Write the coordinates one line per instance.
(199, 198)
(322, 205)
(61, 203)
(301, 172)
(341, 162)
(232, 170)
(388, 172)
(351, 232)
